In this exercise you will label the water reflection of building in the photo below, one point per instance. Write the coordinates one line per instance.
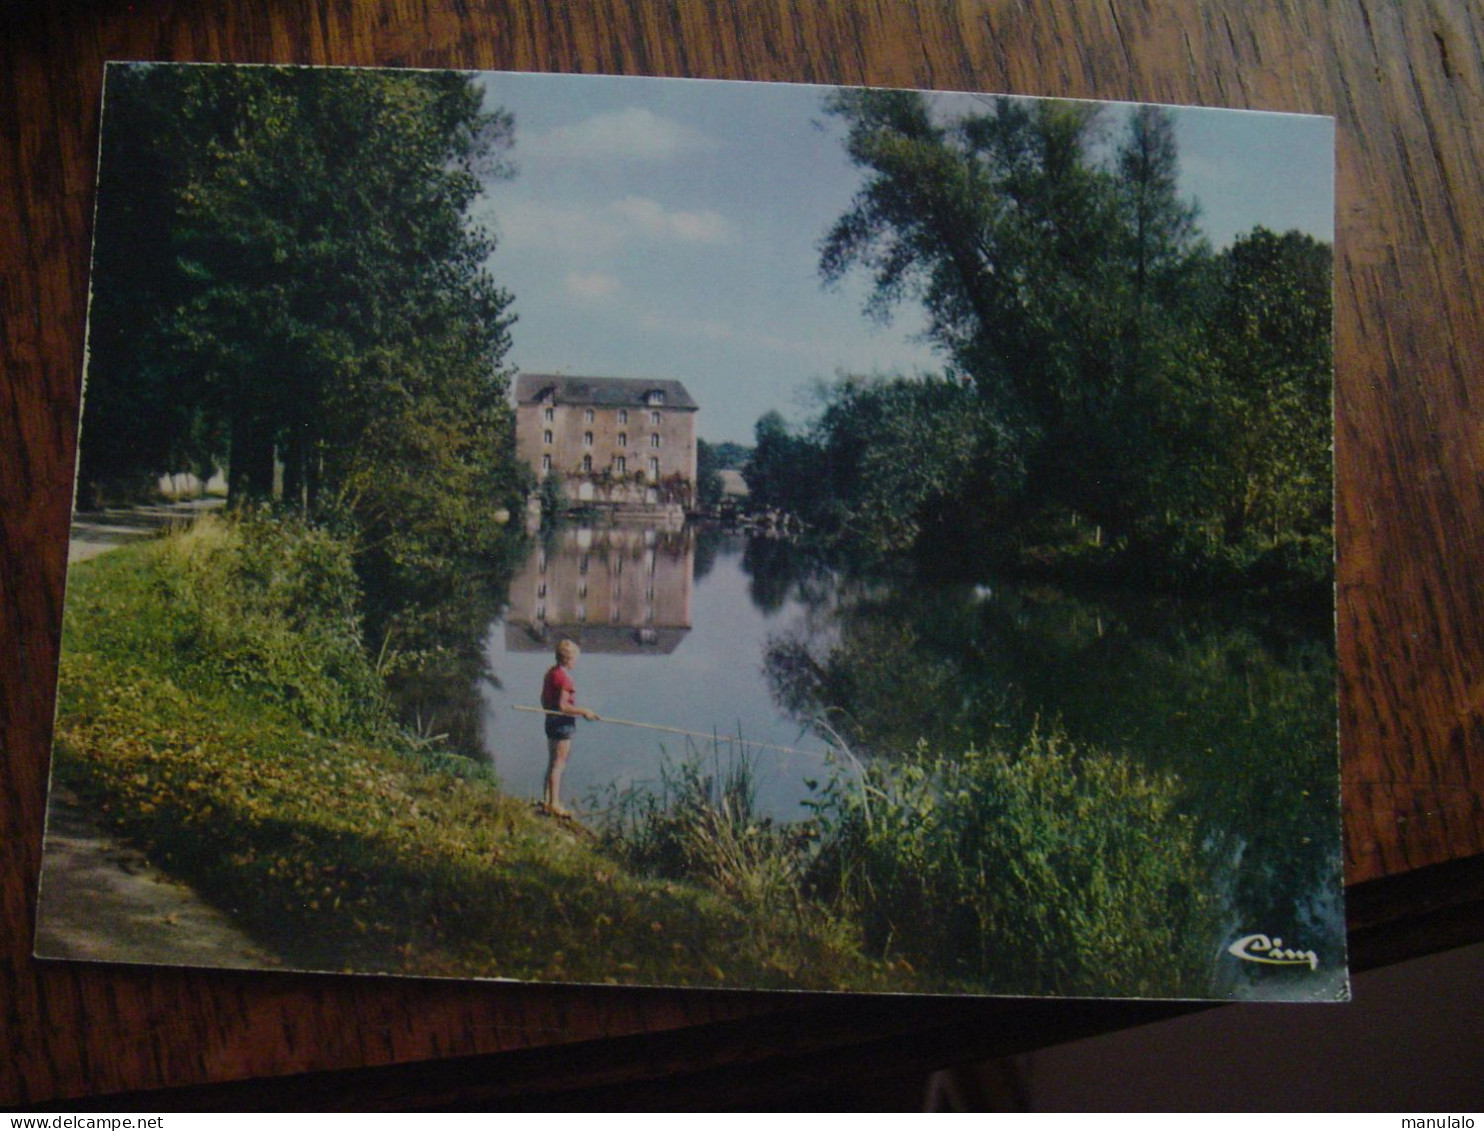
(621, 589)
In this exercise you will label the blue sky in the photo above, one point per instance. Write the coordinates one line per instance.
(670, 228)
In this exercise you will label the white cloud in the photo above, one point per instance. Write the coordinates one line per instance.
(590, 285)
(556, 227)
(630, 134)
(691, 227)
(601, 230)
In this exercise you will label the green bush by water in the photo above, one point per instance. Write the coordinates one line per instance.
(271, 606)
(1051, 869)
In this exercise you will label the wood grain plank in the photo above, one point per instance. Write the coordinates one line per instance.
(1405, 83)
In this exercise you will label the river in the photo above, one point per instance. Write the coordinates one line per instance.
(709, 632)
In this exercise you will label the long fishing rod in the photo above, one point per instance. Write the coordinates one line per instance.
(827, 756)
(715, 737)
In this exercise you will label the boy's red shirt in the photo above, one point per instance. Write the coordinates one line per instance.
(557, 681)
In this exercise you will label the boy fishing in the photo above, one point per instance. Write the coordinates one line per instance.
(559, 695)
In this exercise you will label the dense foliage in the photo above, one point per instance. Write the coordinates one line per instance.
(288, 286)
(271, 608)
(284, 265)
(730, 455)
(885, 464)
(1045, 870)
(1132, 392)
(708, 476)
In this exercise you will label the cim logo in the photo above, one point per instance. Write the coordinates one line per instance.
(1271, 952)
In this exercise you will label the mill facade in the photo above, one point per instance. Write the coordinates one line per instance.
(622, 443)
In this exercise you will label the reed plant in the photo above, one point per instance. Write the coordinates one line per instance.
(702, 826)
(1049, 868)
(1043, 868)
(703, 822)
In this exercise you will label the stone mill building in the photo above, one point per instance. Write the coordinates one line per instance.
(625, 444)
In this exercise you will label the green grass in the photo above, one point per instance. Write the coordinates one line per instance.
(1048, 869)
(193, 716)
(1052, 868)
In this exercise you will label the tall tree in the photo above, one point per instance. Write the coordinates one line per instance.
(1161, 260)
(307, 260)
(782, 467)
(1161, 226)
(1270, 400)
(1138, 381)
(1011, 236)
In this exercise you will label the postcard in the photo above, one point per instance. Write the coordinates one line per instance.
(688, 533)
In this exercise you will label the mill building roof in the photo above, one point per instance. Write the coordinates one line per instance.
(600, 392)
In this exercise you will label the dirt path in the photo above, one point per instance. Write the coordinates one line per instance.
(101, 901)
(97, 532)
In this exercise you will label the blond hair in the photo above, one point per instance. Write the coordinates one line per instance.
(565, 650)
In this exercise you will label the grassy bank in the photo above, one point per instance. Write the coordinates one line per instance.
(1050, 868)
(217, 708)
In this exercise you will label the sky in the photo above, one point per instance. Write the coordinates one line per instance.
(670, 228)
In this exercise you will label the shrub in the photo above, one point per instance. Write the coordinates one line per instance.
(269, 605)
(705, 827)
(1050, 871)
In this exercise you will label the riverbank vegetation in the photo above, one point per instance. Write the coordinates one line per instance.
(1234, 702)
(1119, 401)
(1042, 868)
(217, 707)
(288, 284)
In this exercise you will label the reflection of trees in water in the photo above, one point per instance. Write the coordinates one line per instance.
(774, 566)
(879, 686)
(709, 540)
(434, 660)
(889, 664)
(1238, 704)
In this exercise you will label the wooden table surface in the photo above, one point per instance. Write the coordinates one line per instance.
(1406, 84)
